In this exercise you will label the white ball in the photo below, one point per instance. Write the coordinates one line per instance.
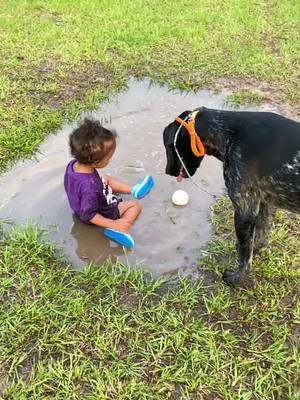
(180, 198)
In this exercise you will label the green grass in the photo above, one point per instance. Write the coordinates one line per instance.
(245, 97)
(59, 57)
(111, 333)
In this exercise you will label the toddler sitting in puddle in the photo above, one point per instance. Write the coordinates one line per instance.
(91, 196)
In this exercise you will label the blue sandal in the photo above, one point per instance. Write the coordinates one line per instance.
(122, 238)
(141, 189)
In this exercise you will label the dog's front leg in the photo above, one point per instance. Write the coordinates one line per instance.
(244, 220)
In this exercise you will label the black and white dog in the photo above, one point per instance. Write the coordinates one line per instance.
(260, 152)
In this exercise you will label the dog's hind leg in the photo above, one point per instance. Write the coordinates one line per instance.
(263, 226)
(245, 220)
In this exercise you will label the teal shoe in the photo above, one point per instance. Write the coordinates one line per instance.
(124, 239)
(141, 189)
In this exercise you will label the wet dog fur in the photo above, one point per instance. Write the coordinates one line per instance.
(260, 152)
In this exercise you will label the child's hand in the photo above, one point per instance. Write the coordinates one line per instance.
(121, 225)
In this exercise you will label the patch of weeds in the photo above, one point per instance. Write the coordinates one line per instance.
(245, 97)
(109, 332)
(54, 83)
(57, 61)
(296, 313)
(49, 92)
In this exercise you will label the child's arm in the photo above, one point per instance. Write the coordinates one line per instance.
(117, 186)
(120, 224)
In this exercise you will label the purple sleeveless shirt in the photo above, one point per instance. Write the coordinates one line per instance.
(89, 195)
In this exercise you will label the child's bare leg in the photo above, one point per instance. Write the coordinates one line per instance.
(129, 210)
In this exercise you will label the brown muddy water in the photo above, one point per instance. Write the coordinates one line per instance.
(167, 237)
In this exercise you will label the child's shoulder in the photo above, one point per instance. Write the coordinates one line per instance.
(70, 165)
(90, 182)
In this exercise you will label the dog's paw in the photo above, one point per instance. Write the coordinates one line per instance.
(233, 277)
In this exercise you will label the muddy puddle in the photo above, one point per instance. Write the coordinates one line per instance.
(166, 237)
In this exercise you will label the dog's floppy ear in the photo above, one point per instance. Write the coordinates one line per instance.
(202, 108)
(170, 130)
(184, 114)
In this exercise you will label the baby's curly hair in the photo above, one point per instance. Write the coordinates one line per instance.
(90, 142)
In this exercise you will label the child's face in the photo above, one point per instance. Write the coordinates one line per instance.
(105, 161)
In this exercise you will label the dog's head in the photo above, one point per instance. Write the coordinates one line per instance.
(183, 145)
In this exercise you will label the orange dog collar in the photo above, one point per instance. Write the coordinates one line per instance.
(197, 146)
